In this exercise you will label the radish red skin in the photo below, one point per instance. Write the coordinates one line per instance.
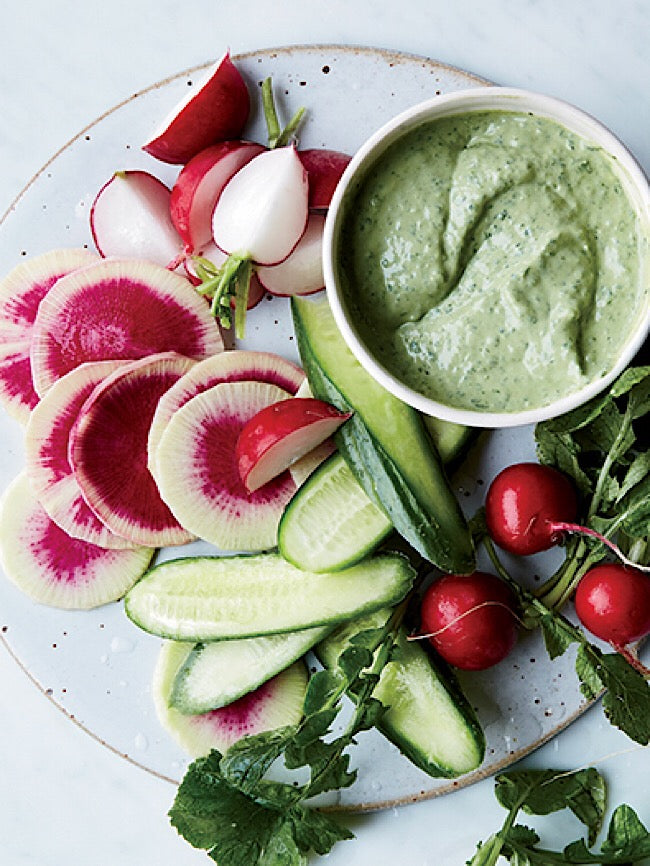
(324, 169)
(522, 504)
(470, 641)
(613, 603)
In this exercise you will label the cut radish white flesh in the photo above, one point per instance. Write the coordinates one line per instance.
(301, 273)
(199, 185)
(281, 434)
(236, 366)
(108, 451)
(130, 219)
(215, 109)
(197, 474)
(217, 257)
(324, 168)
(262, 212)
(118, 310)
(46, 450)
(54, 569)
(302, 469)
(277, 703)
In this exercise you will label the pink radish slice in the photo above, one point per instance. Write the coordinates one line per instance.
(199, 185)
(108, 451)
(54, 569)
(118, 310)
(281, 434)
(129, 219)
(277, 703)
(301, 273)
(324, 168)
(262, 212)
(233, 366)
(302, 468)
(197, 474)
(214, 110)
(217, 257)
(17, 393)
(46, 451)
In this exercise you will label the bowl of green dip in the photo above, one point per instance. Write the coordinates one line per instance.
(486, 257)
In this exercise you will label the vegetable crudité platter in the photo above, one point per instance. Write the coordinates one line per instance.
(96, 665)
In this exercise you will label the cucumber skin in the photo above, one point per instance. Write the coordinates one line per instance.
(447, 546)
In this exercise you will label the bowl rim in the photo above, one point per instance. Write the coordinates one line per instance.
(460, 102)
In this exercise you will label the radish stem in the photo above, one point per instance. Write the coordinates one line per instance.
(277, 137)
(222, 285)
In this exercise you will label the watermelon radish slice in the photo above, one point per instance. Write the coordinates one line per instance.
(233, 366)
(46, 450)
(54, 569)
(197, 474)
(301, 273)
(21, 292)
(118, 310)
(108, 451)
(277, 703)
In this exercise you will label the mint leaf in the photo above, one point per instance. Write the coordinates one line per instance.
(561, 451)
(315, 831)
(626, 835)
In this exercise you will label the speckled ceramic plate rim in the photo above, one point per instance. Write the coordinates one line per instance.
(392, 57)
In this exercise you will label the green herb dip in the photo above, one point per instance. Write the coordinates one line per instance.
(492, 261)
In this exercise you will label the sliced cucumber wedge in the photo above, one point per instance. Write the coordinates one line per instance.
(217, 673)
(428, 717)
(384, 443)
(211, 598)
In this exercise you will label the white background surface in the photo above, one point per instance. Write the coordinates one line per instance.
(63, 798)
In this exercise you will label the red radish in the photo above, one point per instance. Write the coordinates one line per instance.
(129, 219)
(239, 366)
(613, 602)
(214, 110)
(118, 310)
(324, 168)
(301, 273)
(108, 451)
(196, 469)
(470, 619)
(262, 212)
(282, 433)
(199, 185)
(54, 569)
(216, 257)
(303, 468)
(277, 703)
(46, 449)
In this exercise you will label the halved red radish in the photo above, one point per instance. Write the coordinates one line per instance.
(301, 273)
(54, 569)
(214, 110)
(197, 474)
(199, 185)
(46, 452)
(277, 703)
(212, 254)
(118, 310)
(108, 451)
(262, 212)
(281, 434)
(302, 468)
(233, 366)
(130, 219)
(324, 168)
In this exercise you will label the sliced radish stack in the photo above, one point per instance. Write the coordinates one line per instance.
(301, 273)
(197, 474)
(236, 366)
(54, 569)
(108, 451)
(216, 109)
(46, 450)
(130, 219)
(21, 292)
(324, 168)
(118, 310)
(199, 185)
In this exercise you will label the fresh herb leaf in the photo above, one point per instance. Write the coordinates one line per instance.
(626, 835)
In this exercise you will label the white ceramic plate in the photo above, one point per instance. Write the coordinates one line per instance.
(97, 666)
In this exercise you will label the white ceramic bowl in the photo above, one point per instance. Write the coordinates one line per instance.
(484, 99)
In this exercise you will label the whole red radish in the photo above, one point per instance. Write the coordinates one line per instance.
(470, 619)
(214, 110)
(613, 602)
(282, 433)
(523, 505)
(324, 168)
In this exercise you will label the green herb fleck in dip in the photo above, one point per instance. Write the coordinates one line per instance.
(493, 261)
